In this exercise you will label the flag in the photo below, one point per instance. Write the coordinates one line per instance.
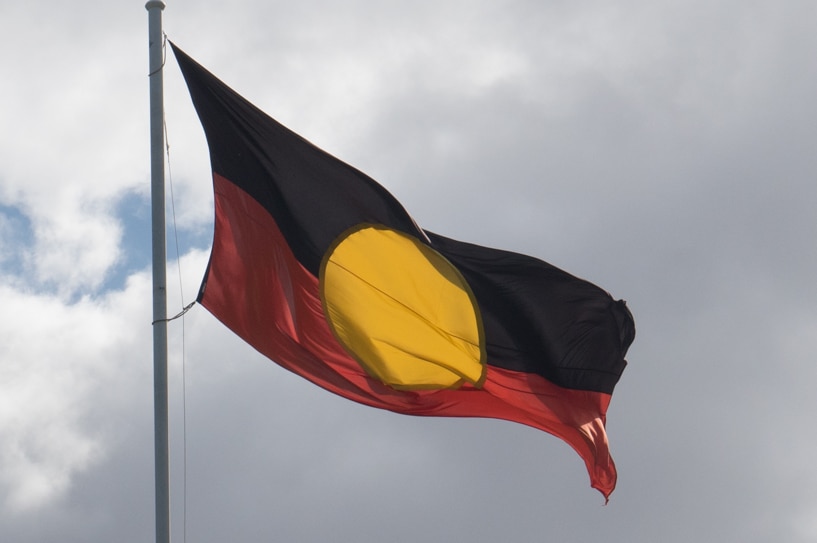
(320, 269)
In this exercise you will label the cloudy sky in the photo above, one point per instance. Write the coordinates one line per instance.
(664, 150)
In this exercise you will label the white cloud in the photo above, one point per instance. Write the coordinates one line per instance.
(67, 373)
(70, 378)
(70, 150)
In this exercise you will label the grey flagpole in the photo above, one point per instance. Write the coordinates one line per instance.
(157, 197)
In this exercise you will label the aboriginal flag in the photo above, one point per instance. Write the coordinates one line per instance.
(320, 269)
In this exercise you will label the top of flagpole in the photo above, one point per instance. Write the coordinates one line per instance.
(154, 4)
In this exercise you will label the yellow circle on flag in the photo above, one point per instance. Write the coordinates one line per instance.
(402, 310)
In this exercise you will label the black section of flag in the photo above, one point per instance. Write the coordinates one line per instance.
(312, 195)
(540, 319)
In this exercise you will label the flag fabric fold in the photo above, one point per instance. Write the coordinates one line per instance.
(320, 269)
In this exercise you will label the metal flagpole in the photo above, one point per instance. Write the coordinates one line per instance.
(157, 196)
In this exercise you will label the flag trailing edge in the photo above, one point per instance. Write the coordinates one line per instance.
(320, 269)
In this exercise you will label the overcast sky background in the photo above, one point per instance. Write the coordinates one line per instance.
(664, 150)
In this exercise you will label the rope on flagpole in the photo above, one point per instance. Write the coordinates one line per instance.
(164, 55)
(189, 306)
(181, 313)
